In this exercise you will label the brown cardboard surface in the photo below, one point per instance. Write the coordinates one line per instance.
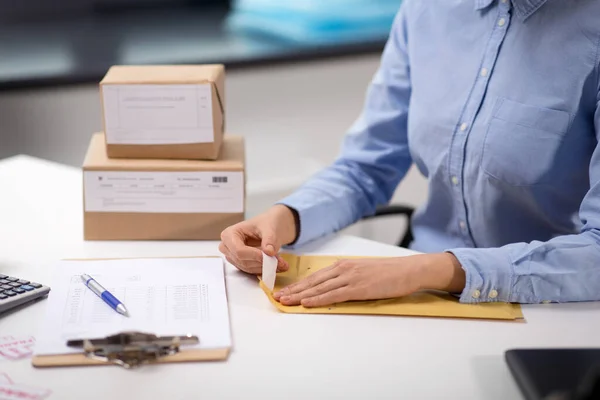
(176, 75)
(160, 226)
(232, 158)
(424, 304)
(163, 74)
(156, 226)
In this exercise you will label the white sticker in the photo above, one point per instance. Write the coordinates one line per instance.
(269, 271)
(164, 192)
(5, 379)
(12, 348)
(12, 391)
(158, 114)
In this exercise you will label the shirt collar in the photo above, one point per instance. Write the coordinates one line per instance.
(524, 8)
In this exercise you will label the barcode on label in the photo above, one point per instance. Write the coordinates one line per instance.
(219, 179)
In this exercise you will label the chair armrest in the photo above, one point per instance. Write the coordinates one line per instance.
(393, 209)
(397, 209)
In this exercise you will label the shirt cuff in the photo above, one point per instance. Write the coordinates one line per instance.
(296, 224)
(309, 221)
(489, 275)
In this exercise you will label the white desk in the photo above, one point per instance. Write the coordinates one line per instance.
(303, 356)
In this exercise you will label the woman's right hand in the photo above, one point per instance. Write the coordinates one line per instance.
(243, 243)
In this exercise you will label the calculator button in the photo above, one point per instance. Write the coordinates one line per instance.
(4, 281)
(18, 290)
(2, 276)
(22, 281)
(15, 284)
(3, 296)
(11, 278)
(10, 293)
(27, 287)
(5, 287)
(35, 285)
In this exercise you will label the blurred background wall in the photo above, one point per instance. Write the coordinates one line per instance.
(288, 85)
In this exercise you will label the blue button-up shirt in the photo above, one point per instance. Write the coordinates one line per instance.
(497, 102)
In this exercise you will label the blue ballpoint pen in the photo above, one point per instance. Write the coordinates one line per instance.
(104, 294)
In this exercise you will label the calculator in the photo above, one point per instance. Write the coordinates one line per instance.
(15, 292)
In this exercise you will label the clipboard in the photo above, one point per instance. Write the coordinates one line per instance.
(132, 349)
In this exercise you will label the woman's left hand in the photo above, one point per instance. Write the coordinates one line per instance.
(374, 278)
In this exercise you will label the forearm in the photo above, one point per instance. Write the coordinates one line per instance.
(440, 271)
(375, 154)
(335, 198)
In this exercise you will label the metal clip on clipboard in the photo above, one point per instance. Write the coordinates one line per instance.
(132, 349)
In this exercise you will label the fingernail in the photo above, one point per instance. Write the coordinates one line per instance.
(285, 298)
(269, 249)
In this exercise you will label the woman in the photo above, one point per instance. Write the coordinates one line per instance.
(497, 102)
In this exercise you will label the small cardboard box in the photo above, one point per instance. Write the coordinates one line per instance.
(128, 199)
(172, 111)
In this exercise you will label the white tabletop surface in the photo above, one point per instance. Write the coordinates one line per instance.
(275, 355)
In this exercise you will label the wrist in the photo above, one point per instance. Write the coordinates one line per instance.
(441, 271)
(286, 223)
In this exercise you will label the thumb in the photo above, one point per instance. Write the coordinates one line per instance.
(269, 243)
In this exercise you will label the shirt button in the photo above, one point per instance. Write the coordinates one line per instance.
(501, 22)
(476, 294)
(493, 294)
(484, 72)
(462, 224)
(454, 180)
(504, 1)
(463, 127)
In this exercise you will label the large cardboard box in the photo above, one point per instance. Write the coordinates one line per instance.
(128, 199)
(173, 111)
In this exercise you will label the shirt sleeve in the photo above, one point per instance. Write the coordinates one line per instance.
(374, 155)
(564, 269)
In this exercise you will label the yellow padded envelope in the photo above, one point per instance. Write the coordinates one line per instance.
(426, 303)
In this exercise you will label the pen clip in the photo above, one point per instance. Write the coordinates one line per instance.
(132, 349)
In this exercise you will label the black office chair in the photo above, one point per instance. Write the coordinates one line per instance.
(397, 209)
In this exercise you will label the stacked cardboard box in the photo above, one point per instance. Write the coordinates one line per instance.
(163, 169)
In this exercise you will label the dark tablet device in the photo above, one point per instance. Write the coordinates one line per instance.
(556, 374)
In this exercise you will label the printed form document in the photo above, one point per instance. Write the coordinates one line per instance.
(165, 297)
